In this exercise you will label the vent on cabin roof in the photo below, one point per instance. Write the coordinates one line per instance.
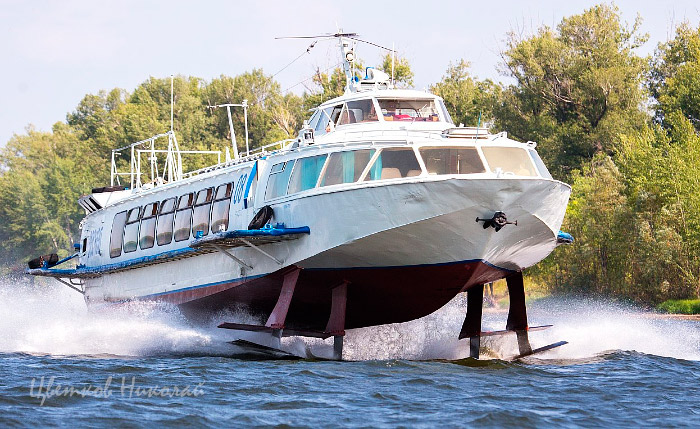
(467, 132)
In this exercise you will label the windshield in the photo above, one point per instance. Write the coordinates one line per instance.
(423, 110)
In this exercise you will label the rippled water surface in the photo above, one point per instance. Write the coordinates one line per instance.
(146, 365)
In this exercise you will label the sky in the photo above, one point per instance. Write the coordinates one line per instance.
(55, 52)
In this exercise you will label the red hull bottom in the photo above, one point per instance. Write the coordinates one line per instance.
(375, 296)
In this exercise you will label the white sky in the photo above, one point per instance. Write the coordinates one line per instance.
(55, 52)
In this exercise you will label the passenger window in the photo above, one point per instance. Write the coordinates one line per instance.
(220, 208)
(202, 208)
(306, 173)
(278, 180)
(131, 231)
(164, 228)
(147, 234)
(183, 217)
(346, 167)
(451, 160)
(513, 160)
(115, 241)
(394, 163)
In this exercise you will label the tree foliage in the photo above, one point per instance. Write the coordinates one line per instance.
(469, 100)
(576, 88)
(579, 90)
(674, 79)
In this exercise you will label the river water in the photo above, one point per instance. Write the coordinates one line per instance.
(145, 366)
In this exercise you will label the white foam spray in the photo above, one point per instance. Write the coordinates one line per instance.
(55, 320)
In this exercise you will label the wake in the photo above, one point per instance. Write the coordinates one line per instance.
(53, 320)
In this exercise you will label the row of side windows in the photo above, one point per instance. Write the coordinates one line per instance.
(190, 215)
(341, 167)
(298, 175)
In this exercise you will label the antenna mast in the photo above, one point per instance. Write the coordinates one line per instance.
(234, 144)
(172, 102)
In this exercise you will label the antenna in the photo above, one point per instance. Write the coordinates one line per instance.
(347, 53)
(228, 107)
(392, 63)
(172, 102)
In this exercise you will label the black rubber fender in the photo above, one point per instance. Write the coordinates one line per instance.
(50, 260)
(261, 217)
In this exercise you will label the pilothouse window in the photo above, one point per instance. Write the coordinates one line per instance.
(358, 111)
(417, 110)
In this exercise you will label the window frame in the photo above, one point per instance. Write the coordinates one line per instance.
(120, 235)
(179, 209)
(138, 228)
(227, 197)
(163, 214)
(153, 215)
(209, 198)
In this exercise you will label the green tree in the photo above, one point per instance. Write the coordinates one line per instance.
(469, 101)
(403, 75)
(674, 78)
(576, 88)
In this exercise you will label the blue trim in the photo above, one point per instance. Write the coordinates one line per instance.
(564, 238)
(81, 269)
(66, 259)
(117, 265)
(253, 173)
(244, 233)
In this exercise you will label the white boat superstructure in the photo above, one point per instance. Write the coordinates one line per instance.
(380, 211)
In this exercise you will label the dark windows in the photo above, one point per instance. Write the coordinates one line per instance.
(147, 234)
(200, 216)
(164, 228)
(452, 160)
(183, 217)
(115, 241)
(220, 208)
(131, 231)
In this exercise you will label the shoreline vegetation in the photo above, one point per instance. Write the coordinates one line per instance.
(622, 129)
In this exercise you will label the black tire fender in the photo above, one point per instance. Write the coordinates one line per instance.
(261, 218)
